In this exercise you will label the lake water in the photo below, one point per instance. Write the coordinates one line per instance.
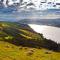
(48, 32)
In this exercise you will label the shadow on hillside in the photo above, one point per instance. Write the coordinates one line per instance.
(47, 44)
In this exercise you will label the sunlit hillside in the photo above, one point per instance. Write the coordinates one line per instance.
(20, 42)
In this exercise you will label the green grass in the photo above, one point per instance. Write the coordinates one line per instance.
(12, 34)
(11, 52)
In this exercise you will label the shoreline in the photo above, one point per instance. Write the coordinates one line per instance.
(48, 32)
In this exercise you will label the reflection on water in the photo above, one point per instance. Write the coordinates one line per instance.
(48, 32)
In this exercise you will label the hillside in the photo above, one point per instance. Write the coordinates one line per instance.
(20, 42)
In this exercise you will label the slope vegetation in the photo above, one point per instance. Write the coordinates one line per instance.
(20, 42)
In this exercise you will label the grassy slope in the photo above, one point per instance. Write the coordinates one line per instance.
(8, 51)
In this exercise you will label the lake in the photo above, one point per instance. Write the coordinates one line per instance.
(48, 32)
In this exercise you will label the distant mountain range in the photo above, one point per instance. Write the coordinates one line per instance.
(49, 22)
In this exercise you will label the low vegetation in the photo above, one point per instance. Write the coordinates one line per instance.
(20, 42)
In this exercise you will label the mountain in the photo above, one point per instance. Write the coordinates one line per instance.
(19, 42)
(49, 22)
